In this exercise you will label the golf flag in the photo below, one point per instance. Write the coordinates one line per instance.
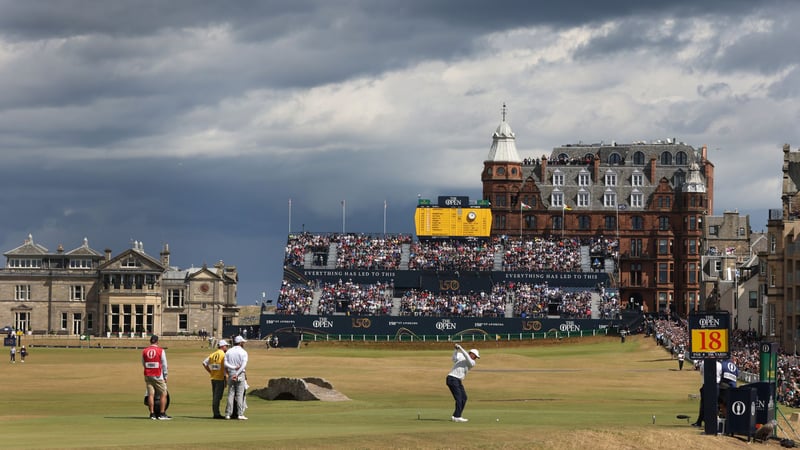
(523, 205)
(567, 208)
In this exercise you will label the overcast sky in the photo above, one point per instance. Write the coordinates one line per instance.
(193, 123)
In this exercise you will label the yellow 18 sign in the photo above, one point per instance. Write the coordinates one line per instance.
(710, 341)
(709, 335)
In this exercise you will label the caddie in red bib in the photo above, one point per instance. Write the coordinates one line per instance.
(154, 361)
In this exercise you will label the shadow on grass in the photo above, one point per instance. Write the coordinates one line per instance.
(148, 418)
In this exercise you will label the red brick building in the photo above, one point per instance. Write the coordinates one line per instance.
(651, 197)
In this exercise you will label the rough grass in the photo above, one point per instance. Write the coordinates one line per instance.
(570, 394)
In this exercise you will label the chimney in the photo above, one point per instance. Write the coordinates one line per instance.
(596, 169)
(652, 170)
(108, 254)
(543, 174)
(165, 256)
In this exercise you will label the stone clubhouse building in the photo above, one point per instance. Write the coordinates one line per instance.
(83, 291)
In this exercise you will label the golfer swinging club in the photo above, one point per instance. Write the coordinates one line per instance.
(462, 362)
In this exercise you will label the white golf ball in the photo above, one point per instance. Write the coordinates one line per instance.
(498, 420)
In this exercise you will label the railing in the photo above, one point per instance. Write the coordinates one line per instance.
(306, 337)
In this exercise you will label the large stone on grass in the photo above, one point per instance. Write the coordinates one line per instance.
(302, 389)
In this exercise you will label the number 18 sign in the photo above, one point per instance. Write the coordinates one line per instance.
(709, 335)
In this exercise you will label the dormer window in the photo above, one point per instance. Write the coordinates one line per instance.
(583, 198)
(558, 178)
(584, 179)
(637, 199)
(637, 179)
(609, 199)
(611, 178)
(557, 198)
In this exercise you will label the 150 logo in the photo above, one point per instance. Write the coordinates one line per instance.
(531, 325)
(361, 322)
(449, 285)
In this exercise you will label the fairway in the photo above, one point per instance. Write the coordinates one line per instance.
(574, 393)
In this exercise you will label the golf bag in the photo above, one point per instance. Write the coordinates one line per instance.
(157, 401)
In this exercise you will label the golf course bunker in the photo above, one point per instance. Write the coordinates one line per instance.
(302, 389)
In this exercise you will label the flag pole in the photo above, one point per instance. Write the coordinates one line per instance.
(384, 218)
(520, 220)
(343, 214)
(290, 215)
(563, 222)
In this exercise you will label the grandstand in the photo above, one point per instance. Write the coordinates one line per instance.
(444, 286)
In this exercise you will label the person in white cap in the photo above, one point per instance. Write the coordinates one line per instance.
(462, 362)
(215, 366)
(235, 365)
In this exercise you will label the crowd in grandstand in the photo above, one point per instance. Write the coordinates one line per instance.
(353, 298)
(299, 245)
(452, 255)
(562, 255)
(294, 299)
(525, 300)
(361, 251)
(473, 304)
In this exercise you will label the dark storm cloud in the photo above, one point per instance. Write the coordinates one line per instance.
(89, 87)
(767, 50)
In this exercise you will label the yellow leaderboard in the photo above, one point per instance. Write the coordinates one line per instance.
(433, 221)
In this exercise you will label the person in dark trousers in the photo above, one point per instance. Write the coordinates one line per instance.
(215, 366)
(681, 358)
(730, 375)
(705, 394)
(463, 361)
